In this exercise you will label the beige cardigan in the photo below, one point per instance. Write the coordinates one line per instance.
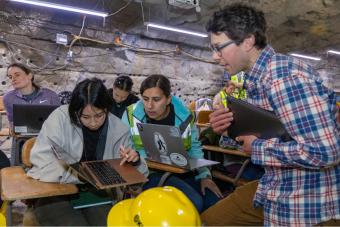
(58, 127)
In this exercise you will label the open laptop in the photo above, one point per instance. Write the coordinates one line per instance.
(163, 144)
(28, 118)
(101, 174)
(252, 120)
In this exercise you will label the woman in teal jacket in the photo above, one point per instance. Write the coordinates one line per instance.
(158, 106)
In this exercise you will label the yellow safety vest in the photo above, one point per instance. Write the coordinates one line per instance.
(239, 93)
(137, 140)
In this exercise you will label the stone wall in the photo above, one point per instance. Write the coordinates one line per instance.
(32, 42)
(30, 39)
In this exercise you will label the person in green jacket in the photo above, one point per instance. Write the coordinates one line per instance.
(158, 106)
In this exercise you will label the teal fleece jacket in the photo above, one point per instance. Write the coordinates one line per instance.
(181, 114)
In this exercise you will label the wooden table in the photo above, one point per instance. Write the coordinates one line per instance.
(17, 141)
(16, 185)
(225, 151)
(168, 170)
(165, 167)
(236, 181)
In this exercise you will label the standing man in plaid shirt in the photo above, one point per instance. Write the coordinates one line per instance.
(301, 184)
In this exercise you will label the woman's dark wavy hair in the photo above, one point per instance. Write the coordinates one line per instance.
(238, 22)
(156, 80)
(25, 69)
(88, 92)
(124, 83)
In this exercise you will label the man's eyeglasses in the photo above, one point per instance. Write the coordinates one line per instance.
(218, 47)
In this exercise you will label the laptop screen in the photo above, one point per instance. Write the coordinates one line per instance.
(163, 144)
(29, 118)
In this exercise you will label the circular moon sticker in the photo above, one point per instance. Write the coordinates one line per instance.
(178, 159)
(160, 143)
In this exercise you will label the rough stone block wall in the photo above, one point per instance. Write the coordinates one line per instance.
(31, 40)
(25, 40)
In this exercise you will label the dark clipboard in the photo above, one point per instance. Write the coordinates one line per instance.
(252, 120)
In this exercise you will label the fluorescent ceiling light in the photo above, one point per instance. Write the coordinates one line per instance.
(306, 56)
(62, 7)
(333, 52)
(204, 35)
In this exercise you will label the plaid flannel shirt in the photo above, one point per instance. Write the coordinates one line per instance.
(301, 185)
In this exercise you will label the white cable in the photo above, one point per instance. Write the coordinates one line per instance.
(82, 27)
(39, 68)
(44, 66)
(112, 14)
(25, 45)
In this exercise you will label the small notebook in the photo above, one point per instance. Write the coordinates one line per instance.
(90, 199)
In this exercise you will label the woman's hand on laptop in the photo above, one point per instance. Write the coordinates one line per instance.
(220, 119)
(210, 184)
(128, 155)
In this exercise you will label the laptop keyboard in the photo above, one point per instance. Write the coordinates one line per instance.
(105, 173)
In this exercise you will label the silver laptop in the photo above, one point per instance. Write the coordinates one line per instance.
(163, 144)
(101, 174)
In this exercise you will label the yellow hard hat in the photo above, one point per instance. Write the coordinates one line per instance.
(161, 206)
(3, 213)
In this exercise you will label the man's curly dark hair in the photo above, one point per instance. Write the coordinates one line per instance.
(238, 22)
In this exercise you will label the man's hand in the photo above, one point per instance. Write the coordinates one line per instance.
(128, 155)
(210, 184)
(246, 141)
(220, 119)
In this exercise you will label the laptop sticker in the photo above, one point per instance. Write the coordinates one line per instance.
(160, 143)
(20, 129)
(178, 159)
(175, 132)
(165, 159)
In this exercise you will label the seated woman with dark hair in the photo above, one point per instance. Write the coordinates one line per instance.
(158, 106)
(122, 95)
(25, 90)
(87, 131)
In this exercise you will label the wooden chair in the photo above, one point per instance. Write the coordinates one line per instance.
(202, 120)
(16, 185)
(203, 116)
(236, 180)
(26, 152)
(29, 218)
(2, 106)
